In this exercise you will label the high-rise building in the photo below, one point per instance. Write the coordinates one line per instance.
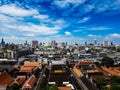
(106, 43)
(34, 43)
(85, 43)
(95, 42)
(112, 44)
(2, 42)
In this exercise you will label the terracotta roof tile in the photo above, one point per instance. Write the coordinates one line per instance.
(31, 64)
(92, 71)
(110, 71)
(26, 69)
(64, 88)
(5, 78)
(30, 82)
(116, 70)
(85, 63)
(20, 79)
(77, 71)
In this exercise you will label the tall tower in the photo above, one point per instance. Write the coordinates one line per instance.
(2, 42)
(95, 42)
(85, 43)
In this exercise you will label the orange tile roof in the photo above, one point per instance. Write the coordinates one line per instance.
(31, 64)
(64, 88)
(20, 79)
(92, 71)
(5, 78)
(77, 71)
(58, 71)
(26, 69)
(110, 71)
(85, 63)
(116, 70)
(29, 83)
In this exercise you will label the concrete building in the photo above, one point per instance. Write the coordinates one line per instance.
(34, 43)
(95, 42)
(106, 43)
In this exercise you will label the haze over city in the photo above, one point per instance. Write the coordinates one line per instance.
(61, 20)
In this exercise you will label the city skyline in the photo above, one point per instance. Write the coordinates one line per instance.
(61, 20)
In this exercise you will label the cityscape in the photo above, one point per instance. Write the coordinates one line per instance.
(59, 45)
(59, 66)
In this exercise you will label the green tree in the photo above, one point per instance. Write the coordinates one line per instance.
(115, 80)
(97, 64)
(107, 61)
(15, 86)
(100, 82)
(53, 87)
(115, 87)
(104, 88)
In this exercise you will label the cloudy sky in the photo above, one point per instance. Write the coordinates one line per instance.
(74, 21)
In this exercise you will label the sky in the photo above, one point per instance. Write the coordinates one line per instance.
(72, 21)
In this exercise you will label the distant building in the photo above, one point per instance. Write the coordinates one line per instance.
(26, 43)
(54, 43)
(106, 43)
(95, 42)
(34, 43)
(2, 42)
(85, 43)
(112, 44)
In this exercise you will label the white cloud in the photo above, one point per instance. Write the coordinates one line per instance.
(102, 8)
(14, 39)
(115, 35)
(11, 25)
(91, 35)
(61, 23)
(67, 33)
(14, 10)
(77, 30)
(65, 3)
(108, 5)
(30, 35)
(6, 19)
(36, 29)
(41, 17)
(85, 19)
(100, 28)
(45, 19)
(88, 8)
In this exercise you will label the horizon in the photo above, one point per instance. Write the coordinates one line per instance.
(59, 42)
(73, 21)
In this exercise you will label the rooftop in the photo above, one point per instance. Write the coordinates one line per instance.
(29, 83)
(5, 78)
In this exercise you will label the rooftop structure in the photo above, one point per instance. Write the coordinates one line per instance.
(77, 71)
(29, 83)
(26, 69)
(31, 64)
(6, 79)
(112, 72)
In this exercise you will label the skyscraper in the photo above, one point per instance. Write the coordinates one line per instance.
(2, 42)
(95, 42)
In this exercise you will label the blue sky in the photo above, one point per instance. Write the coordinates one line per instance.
(74, 21)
